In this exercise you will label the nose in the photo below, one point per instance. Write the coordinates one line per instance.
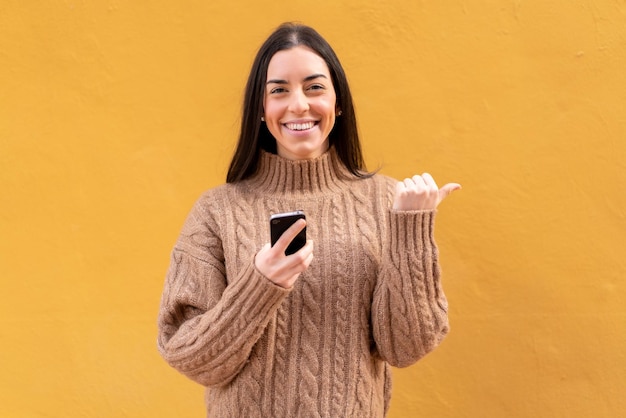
(299, 102)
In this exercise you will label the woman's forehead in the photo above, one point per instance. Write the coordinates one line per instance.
(295, 62)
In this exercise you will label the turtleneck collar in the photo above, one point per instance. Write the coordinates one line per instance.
(276, 174)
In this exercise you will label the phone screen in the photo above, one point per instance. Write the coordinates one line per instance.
(280, 222)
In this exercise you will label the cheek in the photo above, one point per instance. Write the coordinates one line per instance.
(271, 111)
(272, 115)
(331, 107)
(330, 112)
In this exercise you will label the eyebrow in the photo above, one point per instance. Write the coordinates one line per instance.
(308, 78)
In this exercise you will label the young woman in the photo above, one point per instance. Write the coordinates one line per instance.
(313, 333)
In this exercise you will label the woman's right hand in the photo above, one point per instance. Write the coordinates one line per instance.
(283, 270)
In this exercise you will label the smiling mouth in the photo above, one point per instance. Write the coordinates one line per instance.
(300, 126)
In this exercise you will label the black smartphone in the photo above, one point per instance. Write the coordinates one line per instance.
(280, 222)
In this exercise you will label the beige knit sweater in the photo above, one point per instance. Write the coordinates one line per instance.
(371, 298)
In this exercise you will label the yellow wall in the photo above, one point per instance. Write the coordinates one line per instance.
(115, 115)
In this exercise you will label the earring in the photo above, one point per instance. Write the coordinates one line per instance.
(339, 113)
(262, 119)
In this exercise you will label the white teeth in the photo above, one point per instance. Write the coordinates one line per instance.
(300, 126)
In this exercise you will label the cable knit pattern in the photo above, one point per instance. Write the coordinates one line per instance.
(371, 298)
(310, 363)
(341, 319)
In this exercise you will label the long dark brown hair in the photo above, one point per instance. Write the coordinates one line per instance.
(254, 135)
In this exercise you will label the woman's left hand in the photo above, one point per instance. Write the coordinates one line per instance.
(421, 193)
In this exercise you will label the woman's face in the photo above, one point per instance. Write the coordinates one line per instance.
(299, 103)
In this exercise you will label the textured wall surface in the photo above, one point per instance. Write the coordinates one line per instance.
(115, 116)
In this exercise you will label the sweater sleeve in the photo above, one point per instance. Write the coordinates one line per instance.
(208, 325)
(409, 311)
